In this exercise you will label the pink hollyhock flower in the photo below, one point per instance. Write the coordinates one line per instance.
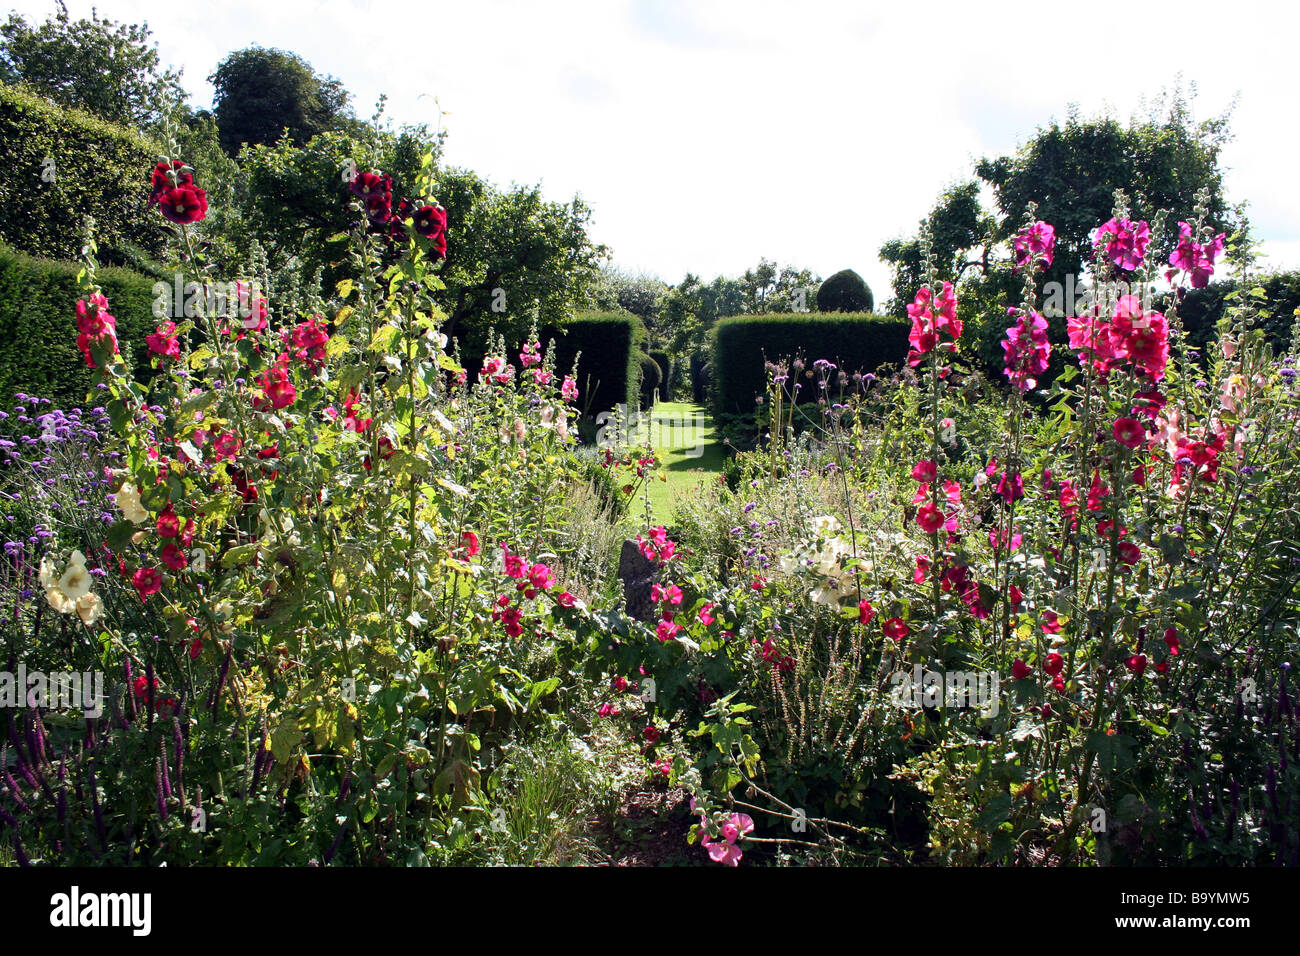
(163, 341)
(1144, 335)
(608, 710)
(541, 577)
(865, 612)
(147, 581)
(1011, 486)
(565, 599)
(279, 390)
(930, 518)
(706, 614)
(922, 572)
(1051, 622)
(515, 565)
(1026, 349)
(667, 631)
(1089, 335)
(948, 321)
(952, 491)
(1020, 670)
(896, 628)
(531, 355)
(512, 617)
(1014, 597)
(1035, 243)
(569, 389)
(226, 446)
(672, 594)
(1125, 242)
(469, 540)
(1097, 491)
(310, 339)
(1129, 432)
(925, 471)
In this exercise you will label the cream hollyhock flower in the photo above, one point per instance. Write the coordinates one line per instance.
(75, 582)
(128, 499)
(90, 608)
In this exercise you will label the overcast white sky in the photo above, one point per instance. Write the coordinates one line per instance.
(707, 134)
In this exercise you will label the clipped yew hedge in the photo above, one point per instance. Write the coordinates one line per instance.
(38, 325)
(98, 170)
(742, 344)
(609, 369)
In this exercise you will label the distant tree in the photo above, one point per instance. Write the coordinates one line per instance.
(639, 294)
(261, 93)
(956, 225)
(772, 288)
(100, 66)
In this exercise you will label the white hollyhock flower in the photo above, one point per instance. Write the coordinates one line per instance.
(128, 499)
(90, 608)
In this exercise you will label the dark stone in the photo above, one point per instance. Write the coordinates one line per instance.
(638, 574)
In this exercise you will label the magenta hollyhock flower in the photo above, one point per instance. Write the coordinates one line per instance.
(226, 446)
(1020, 670)
(1026, 349)
(163, 341)
(1141, 336)
(667, 630)
(1194, 258)
(1051, 622)
(608, 710)
(1125, 242)
(1035, 243)
(469, 540)
(929, 517)
(1171, 640)
(1053, 663)
(1011, 486)
(169, 525)
(706, 613)
(515, 565)
(565, 599)
(569, 389)
(1129, 552)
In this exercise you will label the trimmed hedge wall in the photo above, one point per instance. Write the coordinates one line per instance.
(100, 170)
(741, 345)
(609, 371)
(38, 325)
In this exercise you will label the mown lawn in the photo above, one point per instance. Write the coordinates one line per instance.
(689, 449)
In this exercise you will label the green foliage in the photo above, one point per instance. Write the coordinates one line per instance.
(1201, 309)
(845, 291)
(666, 369)
(955, 225)
(263, 94)
(613, 289)
(609, 369)
(1072, 171)
(38, 326)
(742, 344)
(105, 68)
(510, 253)
(99, 170)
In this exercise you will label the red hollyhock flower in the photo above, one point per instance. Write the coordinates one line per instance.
(865, 612)
(1129, 552)
(161, 181)
(1129, 432)
(1020, 670)
(565, 599)
(925, 471)
(279, 390)
(651, 734)
(367, 185)
(896, 628)
(1137, 664)
(1053, 663)
(431, 222)
(147, 581)
(470, 541)
(174, 557)
(183, 204)
(169, 526)
(1171, 639)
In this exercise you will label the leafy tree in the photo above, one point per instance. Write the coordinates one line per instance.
(262, 93)
(955, 225)
(511, 254)
(639, 294)
(106, 68)
(769, 288)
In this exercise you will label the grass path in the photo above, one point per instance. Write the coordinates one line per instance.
(689, 449)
